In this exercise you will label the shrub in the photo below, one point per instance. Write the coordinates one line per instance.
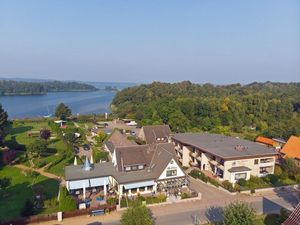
(237, 187)
(239, 213)
(66, 202)
(252, 191)
(213, 182)
(227, 185)
(273, 178)
(185, 195)
(278, 170)
(50, 203)
(242, 182)
(195, 174)
(112, 201)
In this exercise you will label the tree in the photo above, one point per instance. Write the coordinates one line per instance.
(62, 111)
(100, 138)
(178, 121)
(37, 148)
(239, 213)
(290, 166)
(27, 208)
(137, 215)
(3, 124)
(70, 138)
(4, 183)
(45, 133)
(66, 202)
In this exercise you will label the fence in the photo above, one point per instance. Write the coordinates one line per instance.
(49, 217)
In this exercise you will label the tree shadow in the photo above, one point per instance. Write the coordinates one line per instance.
(289, 195)
(214, 214)
(19, 130)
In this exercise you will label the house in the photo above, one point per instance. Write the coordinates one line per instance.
(138, 169)
(117, 139)
(268, 141)
(228, 158)
(155, 134)
(292, 149)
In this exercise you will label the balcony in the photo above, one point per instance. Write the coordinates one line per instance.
(217, 164)
(194, 154)
(177, 148)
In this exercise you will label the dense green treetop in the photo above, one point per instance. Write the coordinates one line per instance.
(8, 87)
(62, 111)
(3, 124)
(272, 109)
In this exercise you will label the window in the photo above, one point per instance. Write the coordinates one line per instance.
(263, 170)
(266, 160)
(255, 161)
(127, 168)
(171, 173)
(134, 167)
(239, 176)
(141, 167)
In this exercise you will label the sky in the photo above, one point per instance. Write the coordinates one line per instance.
(203, 41)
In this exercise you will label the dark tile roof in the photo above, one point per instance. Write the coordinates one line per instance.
(99, 170)
(133, 155)
(224, 146)
(157, 158)
(239, 169)
(156, 131)
(117, 139)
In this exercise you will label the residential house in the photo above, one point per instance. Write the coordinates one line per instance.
(228, 158)
(294, 217)
(268, 141)
(134, 169)
(155, 134)
(117, 139)
(292, 149)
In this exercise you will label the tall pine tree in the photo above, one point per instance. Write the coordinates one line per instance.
(3, 124)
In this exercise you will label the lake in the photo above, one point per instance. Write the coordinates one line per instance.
(40, 105)
(79, 102)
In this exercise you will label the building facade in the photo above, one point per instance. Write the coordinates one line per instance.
(227, 158)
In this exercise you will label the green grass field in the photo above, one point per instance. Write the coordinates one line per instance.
(20, 189)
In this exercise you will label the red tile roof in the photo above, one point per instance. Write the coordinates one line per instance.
(265, 140)
(294, 218)
(292, 147)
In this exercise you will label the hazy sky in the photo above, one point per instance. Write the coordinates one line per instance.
(141, 41)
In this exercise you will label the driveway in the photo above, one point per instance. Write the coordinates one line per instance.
(183, 213)
(208, 192)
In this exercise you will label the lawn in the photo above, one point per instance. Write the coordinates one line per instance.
(12, 202)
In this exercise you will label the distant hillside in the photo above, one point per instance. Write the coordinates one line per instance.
(271, 109)
(9, 87)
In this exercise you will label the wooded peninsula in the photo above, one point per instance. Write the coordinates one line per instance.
(9, 87)
(270, 109)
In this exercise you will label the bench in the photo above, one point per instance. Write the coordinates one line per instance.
(97, 212)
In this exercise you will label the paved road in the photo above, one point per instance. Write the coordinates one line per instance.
(207, 210)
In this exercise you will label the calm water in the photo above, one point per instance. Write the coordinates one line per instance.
(40, 105)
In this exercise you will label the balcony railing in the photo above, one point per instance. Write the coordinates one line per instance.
(217, 164)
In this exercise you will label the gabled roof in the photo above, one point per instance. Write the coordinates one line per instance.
(223, 146)
(157, 157)
(156, 131)
(117, 139)
(294, 217)
(292, 147)
(264, 140)
(133, 155)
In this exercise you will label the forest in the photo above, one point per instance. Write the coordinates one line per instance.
(270, 109)
(9, 87)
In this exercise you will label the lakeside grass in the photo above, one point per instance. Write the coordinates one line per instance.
(13, 199)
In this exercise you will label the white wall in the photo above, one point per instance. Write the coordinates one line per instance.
(172, 165)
